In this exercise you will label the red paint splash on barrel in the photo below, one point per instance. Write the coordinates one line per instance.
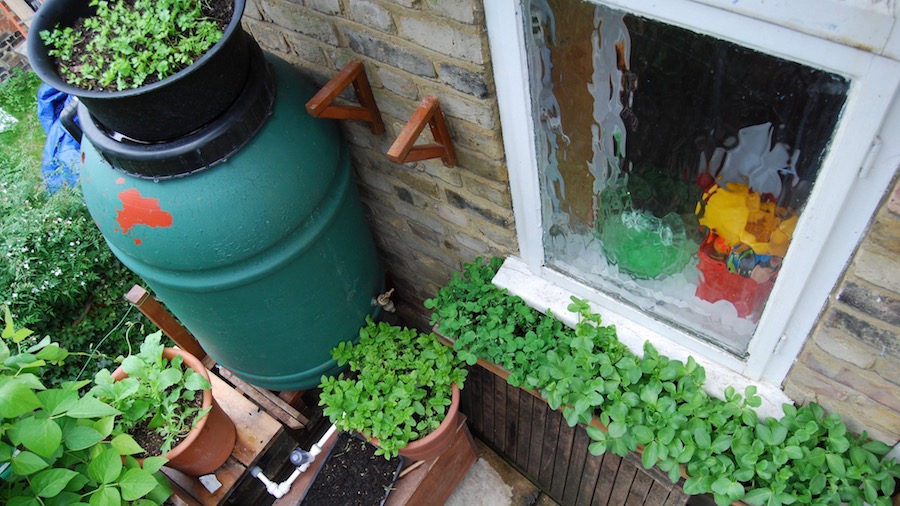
(140, 210)
(120, 180)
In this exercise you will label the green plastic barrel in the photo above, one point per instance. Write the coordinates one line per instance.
(265, 257)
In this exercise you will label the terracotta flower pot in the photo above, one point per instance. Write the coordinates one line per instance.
(210, 443)
(434, 444)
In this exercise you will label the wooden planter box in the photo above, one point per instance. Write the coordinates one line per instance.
(422, 482)
(535, 439)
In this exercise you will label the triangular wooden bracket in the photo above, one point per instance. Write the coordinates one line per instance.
(322, 104)
(404, 150)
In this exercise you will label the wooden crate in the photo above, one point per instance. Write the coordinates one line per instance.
(422, 482)
(536, 440)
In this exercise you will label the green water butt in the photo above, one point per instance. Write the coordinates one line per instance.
(265, 257)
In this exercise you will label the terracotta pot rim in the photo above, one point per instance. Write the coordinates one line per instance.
(195, 364)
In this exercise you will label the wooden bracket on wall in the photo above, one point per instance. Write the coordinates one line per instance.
(322, 104)
(429, 112)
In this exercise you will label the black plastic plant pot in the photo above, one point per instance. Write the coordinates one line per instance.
(163, 110)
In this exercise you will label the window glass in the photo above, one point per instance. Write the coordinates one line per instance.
(673, 166)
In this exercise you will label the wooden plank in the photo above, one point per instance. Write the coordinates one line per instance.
(160, 316)
(576, 465)
(500, 386)
(624, 479)
(476, 419)
(655, 472)
(563, 459)
(512, 422)
(523, 436)
(536, 449)
(639, 489)
(228, 474)
(677, 497)
(488, 416)
(548, 449)
(272, 404)
(657, 494)
(606, 480)
(181, 497)
(589, 475)
(256, 430)
(465, 398)
(294, 398)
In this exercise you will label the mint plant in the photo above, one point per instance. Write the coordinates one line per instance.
(657, 405)
(56, 444)
(126, 44)
(157, 395)
(399, 389)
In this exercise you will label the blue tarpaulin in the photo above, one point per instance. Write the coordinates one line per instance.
(61, 152)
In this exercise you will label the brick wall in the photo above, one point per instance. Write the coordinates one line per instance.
(427, 218)
(851, 363)
(9, 58)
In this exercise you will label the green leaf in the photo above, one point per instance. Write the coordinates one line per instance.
(794, 452)
(16, 399)
(721, 443)
(817, 484)
(51, 482)
(728, 488)
(168, 377)
(80, 437)
(617, 429)
(105, 425)
(642, 434)
(106, 467)
(836, 464)
(57, 401)
(124, 444)
(650, 455)
(758, 496)
(694, 486)
(701, 437)
(91, 407)
(106, 496)
(40, 435)
(136, 483)
(597, 448)
(26, 463)
(870, 492)
(152, 464)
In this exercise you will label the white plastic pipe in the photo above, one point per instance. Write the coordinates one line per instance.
(279, 490)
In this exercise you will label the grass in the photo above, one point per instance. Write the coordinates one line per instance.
(18, 96)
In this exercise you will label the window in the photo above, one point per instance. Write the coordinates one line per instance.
(688, 167)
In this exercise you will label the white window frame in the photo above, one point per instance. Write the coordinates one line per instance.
(851, 183)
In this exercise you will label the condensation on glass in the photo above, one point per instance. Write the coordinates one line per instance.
(673, 166)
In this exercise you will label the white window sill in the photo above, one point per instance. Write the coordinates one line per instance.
(542, 294)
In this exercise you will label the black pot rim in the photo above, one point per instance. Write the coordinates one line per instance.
(49, 75)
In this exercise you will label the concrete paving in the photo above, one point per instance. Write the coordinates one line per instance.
(493, 482)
